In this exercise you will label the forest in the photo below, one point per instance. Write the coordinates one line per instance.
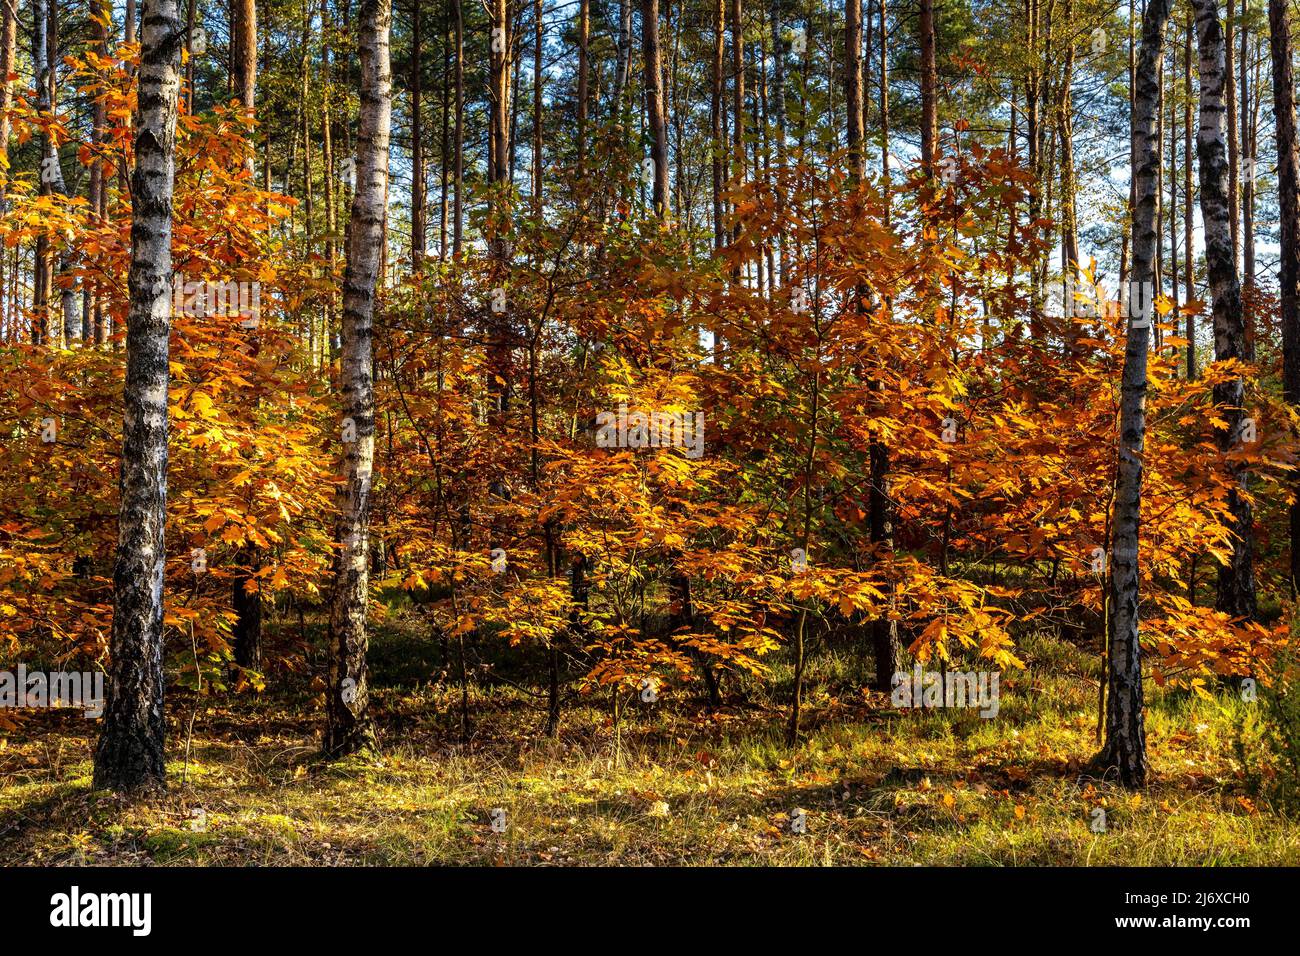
(672, 432)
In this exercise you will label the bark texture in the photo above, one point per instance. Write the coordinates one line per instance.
(129, 756)
(1125, 747)
(348, 728)
(1236, 592)
(654, 93)
(1288, 182)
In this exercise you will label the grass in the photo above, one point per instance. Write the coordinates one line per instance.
(676, 784)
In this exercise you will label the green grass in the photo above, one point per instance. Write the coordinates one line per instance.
(676, 785)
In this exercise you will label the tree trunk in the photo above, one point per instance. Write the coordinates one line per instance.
(1034, 133)
(623, 65)
(1234, 150)
(584, 36)
(719, 134)
(1245, 155)
(1069, 217)
(419, 225)
(929, 92)
(1160, 182)
(243, 57)
(348, 727)
(654, 94)
(444, 141)
(1132, 196)
(244, 51)
(1125, 747)
(1236, 579)
(50, 175)
(884, 106)
(738, 107)
(537, 104)
(853, 87)
(458, 213)
(129, 756)
(327, 158)
(778, 116)
(1288, 182)
(778, 78)
(1189, 248)
(1172, 99)
(8, 50)
(499, 87)
(247, 605)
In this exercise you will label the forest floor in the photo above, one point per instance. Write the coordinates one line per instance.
(672, 784)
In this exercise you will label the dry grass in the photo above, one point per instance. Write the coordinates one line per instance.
(675, 786)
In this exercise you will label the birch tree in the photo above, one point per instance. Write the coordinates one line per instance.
(1236, 595)
(347, 724)
(129, 756)
(51, 168)
(1125, 749)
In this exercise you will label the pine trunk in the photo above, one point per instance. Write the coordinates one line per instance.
(1288, 183)
(654, 95)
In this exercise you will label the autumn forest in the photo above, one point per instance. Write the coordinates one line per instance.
(669, 432)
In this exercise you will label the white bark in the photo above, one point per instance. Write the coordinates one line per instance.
(130, 751)
(1125, 748)
(51, 171)
(347, 721)
(1236, 579)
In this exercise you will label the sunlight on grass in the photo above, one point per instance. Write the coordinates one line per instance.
(875, 785)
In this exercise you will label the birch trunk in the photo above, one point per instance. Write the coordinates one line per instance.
(8, 50)
(1236, 579)
(717, 127)
(51, 169)
(1189, 246)
(1125, 747)
(129, 756)
(347, 727)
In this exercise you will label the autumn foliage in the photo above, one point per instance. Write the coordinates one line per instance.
(498, 513)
